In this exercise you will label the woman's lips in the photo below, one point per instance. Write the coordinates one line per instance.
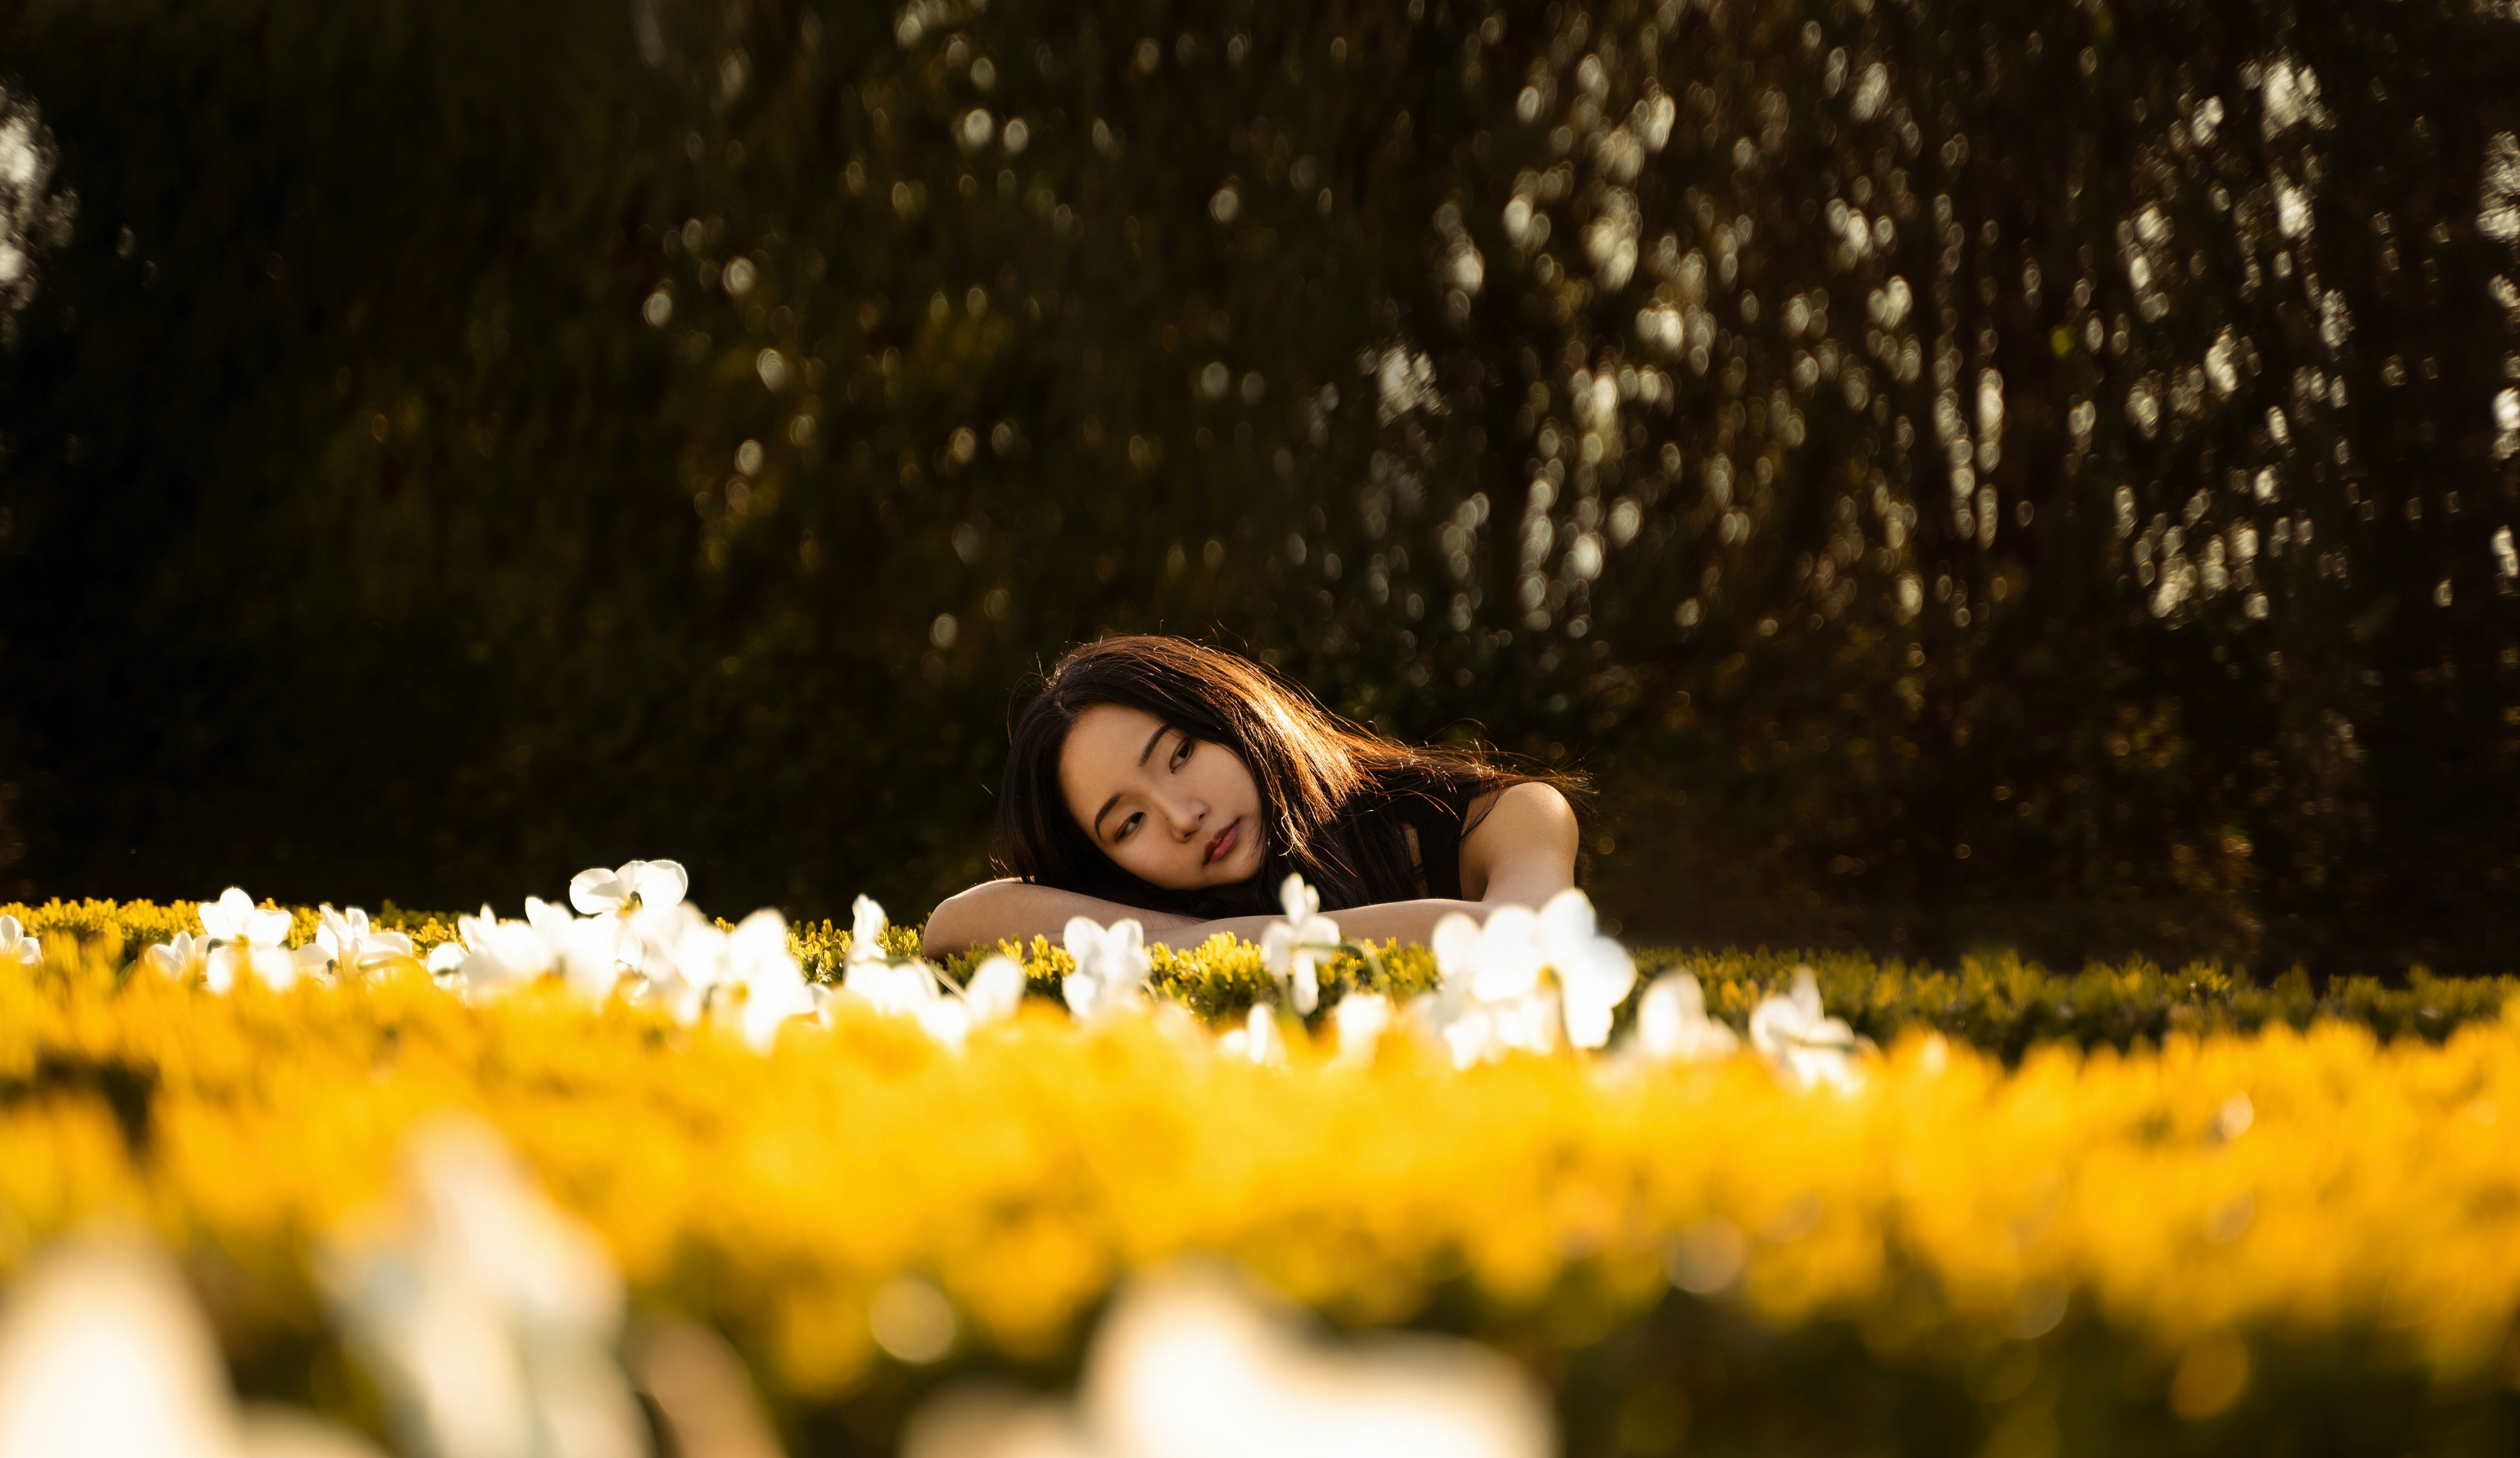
(1222, 842)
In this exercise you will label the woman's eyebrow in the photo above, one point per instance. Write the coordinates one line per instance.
(1143, 755)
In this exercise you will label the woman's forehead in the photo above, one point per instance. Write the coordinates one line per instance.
(1104, 744)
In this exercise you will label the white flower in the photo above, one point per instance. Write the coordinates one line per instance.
(273, 966)
(772, 997)
(1292, 950)
(644, 900)
(895, 988)
(1671, 1024)
(1491, 1000)
(913, 989)
(1479, 1032)
(1257, 1040)
(446, 961)
(641, 883)
(1362, 1018)
(500, 954)
(1111, 965)
(679, 959)
(1806, 1047)
(586, 950)
(15, 942)
(343, 945)
(1499, 960)
(746, 975)
(245, 938)
(1495, 996)
(488, 1317)
(867, 923)
(1595, 973)
(1191, 1365)
(234, 917)
(996, 990)
(181, 958)
(103, 1354)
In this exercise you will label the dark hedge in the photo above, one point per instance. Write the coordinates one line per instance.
(1959, 475)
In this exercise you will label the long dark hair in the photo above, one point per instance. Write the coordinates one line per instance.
(1334, 796)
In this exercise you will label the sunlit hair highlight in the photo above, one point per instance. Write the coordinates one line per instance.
(1329, 790)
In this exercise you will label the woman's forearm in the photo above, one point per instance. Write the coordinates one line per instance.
(1015, 910)
(1408, 921)
(1011, 910)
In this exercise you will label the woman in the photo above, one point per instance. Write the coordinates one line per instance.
(1157, 778)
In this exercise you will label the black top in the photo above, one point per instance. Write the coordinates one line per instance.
(1439, 819)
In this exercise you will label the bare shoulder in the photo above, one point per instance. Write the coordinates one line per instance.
(1520, 844)
(1519, 809)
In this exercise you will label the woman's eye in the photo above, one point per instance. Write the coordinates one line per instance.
(1127, 826)
(1182, 753)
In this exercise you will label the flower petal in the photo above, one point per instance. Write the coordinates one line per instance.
(866, 928)
(1567, 923)
(1455, 941)
(658, 883)
(1278, 948)
(595, 890)
(996, 990)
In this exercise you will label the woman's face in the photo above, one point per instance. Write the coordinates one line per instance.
(1175, 811)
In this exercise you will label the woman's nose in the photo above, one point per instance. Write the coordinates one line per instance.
(1187, 817)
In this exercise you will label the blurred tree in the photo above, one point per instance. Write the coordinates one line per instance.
(1955, 473)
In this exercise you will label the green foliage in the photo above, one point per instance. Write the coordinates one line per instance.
(2006, 1005)
(1951, 490)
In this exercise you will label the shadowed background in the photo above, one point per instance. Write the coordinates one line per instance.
(1956, 475)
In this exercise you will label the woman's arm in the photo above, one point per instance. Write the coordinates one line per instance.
(1017, 911)
(1520, 851)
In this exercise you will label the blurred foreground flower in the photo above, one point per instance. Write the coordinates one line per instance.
(910, 988)
(1595, 973)
(1362, 1018)
(1806, 1047)
(245, 938)
(488, 1317)
(748, 974)
(1111, 965)
(1491, 1000)
(1672, 1025)
(497, 954)
(181, 958)
(1294, 948)
(704, 1400)
(344, 945)
(586, 950)
(15, 942)
(1257, 1040)
(899, 989)
(103, 1354)
(1495, 999)
(1189, 1365)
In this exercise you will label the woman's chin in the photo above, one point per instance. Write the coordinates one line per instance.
(1239, 865)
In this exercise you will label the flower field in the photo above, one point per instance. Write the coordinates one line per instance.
(1889, 1209)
